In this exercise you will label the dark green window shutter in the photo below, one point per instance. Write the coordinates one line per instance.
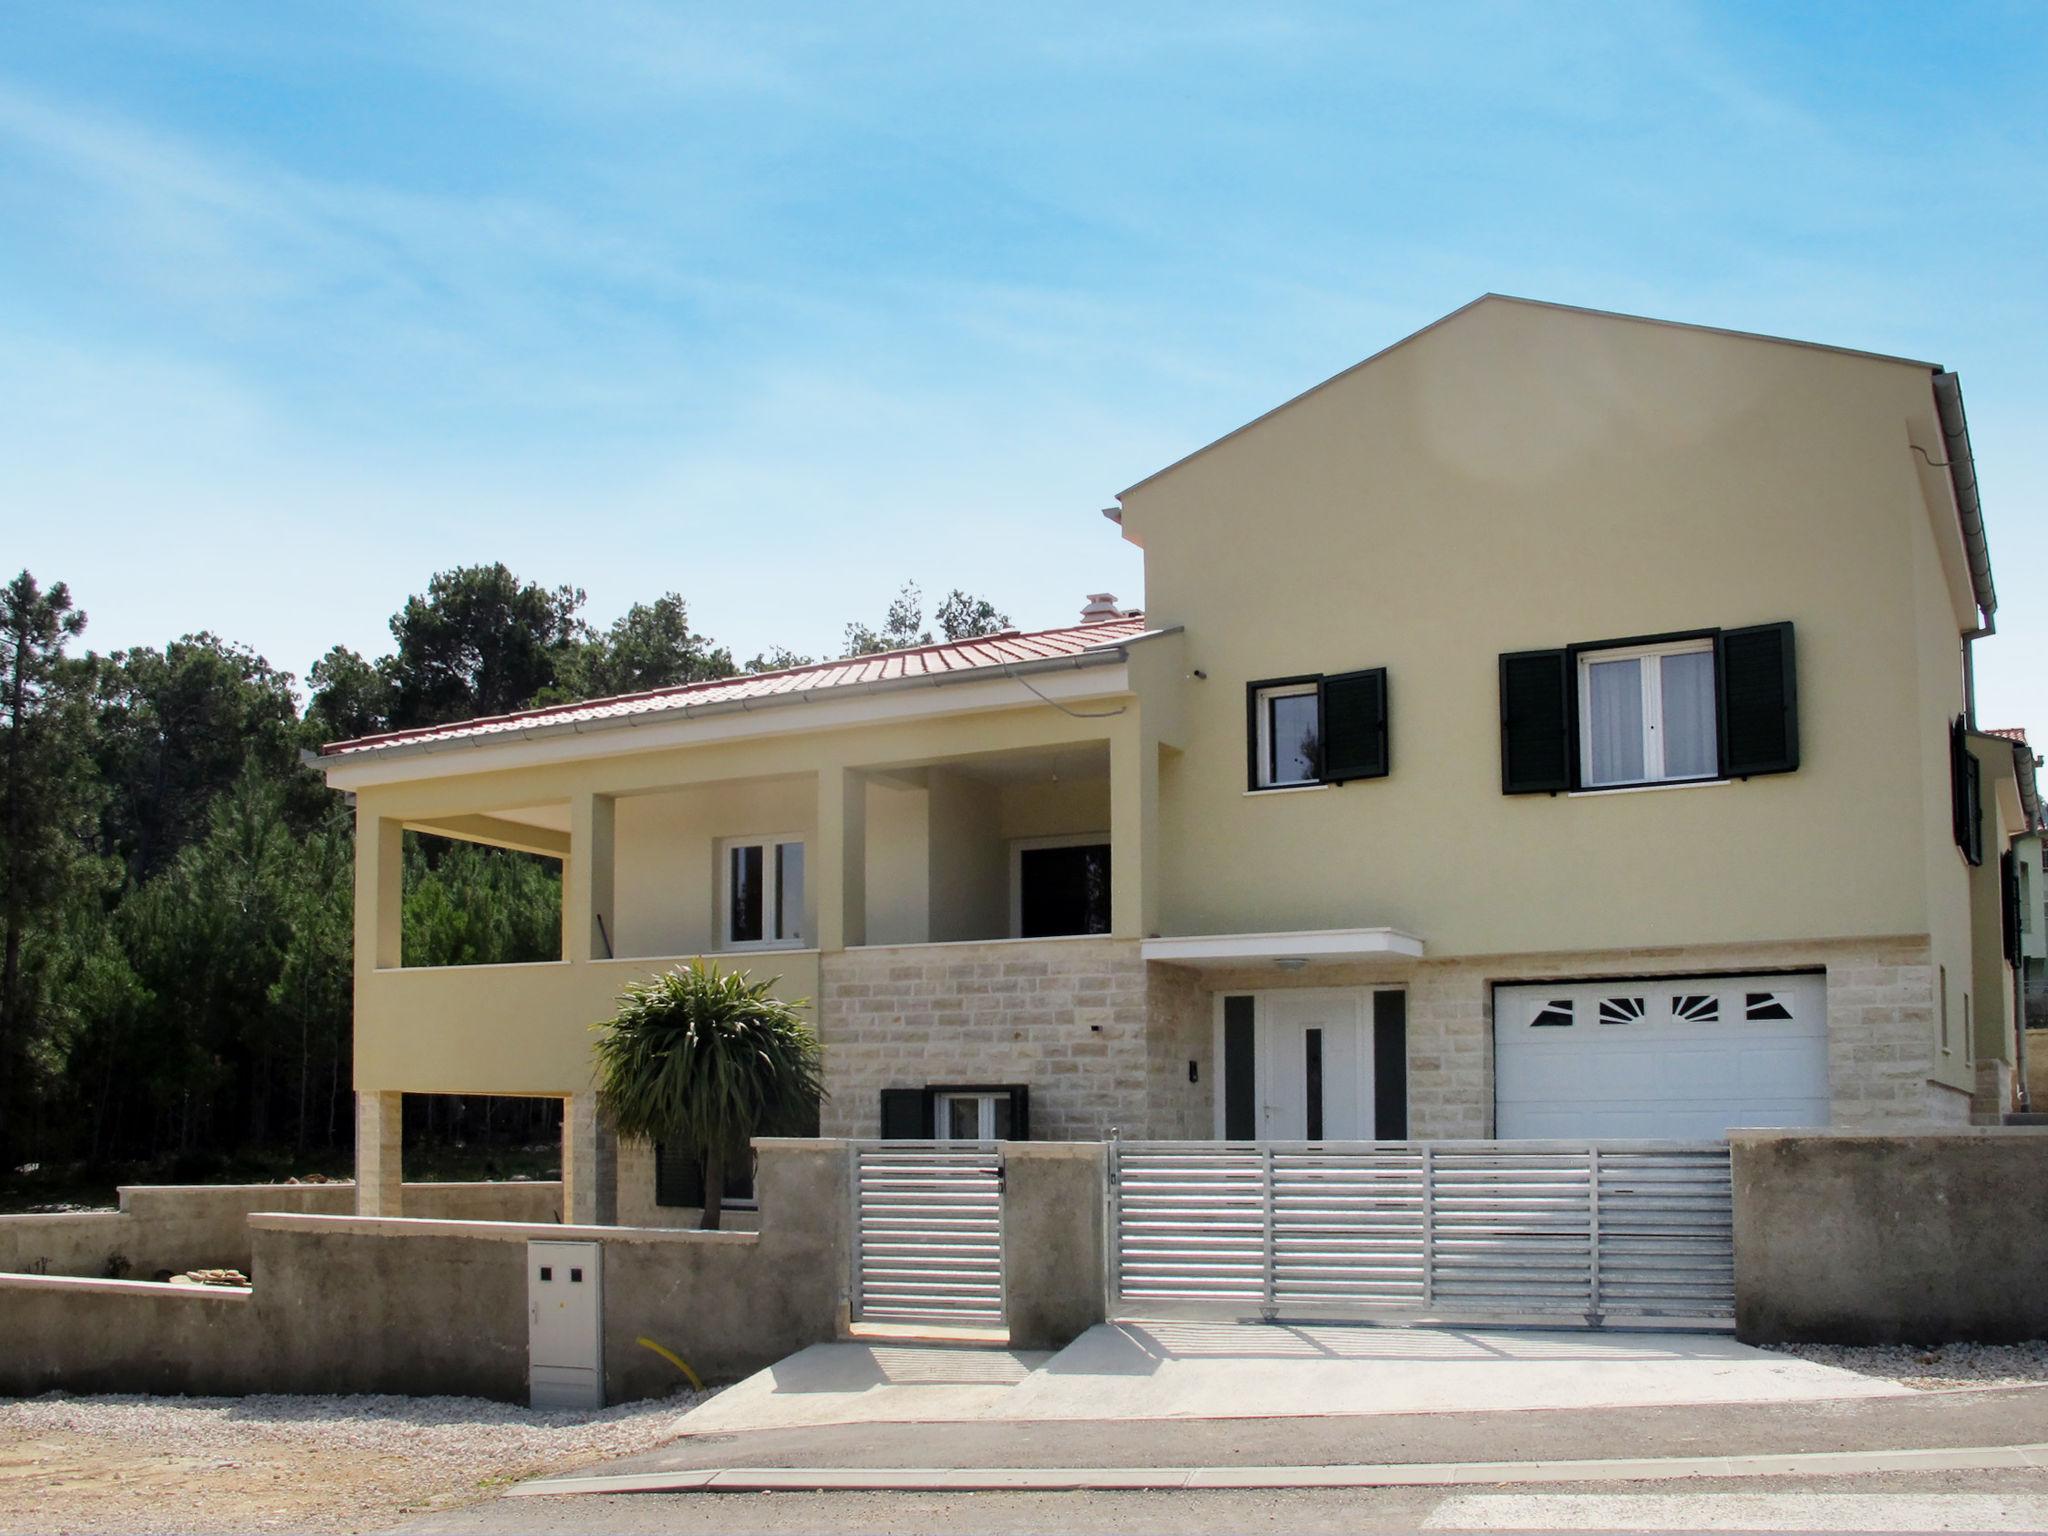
(1390, 1066)
(1535, 722)
(906, 1114)
(1759, 700)
(1966, 788)
(2009, 905)
(1354, 713)
(1020, 1112)
(678, 1177)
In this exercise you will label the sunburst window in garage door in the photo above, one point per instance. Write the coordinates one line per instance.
(1670, 1057)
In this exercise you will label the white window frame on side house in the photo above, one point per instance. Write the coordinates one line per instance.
(1264, 697)
(773, 918)
(1650, 679)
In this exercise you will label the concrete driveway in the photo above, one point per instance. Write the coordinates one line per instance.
(1227, 1370)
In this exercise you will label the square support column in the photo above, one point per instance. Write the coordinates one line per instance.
(380, 1167)
(1133, 829)
(588, 926)
(841, 860)
(380, 891)
(590, 1164)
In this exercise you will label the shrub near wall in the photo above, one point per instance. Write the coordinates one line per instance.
(1899, 1239)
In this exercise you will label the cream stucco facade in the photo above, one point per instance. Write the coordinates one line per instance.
(1518, 477)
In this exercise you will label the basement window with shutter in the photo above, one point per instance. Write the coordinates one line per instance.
(1303, 732)
(1664, 709)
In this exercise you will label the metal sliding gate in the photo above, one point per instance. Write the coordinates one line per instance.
(1611, 1231)
(928, 1233)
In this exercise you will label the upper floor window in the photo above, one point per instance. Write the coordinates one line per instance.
(1288, 720)
(761, 892)
(1317, 730)
(1720, 704)
(1646, 714)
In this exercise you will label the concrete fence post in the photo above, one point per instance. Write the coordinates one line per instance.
(1054, 1205)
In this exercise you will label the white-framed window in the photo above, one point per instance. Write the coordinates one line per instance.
(1647, 714)
(971, 1116)
(761, 893)
(1288, 747)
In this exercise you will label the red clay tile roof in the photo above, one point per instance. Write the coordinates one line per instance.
(989, 652)
(2016, 733)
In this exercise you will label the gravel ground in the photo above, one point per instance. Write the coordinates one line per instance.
(1932, 1367)
(202, 1464)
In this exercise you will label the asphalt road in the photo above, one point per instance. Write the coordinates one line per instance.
(2001, 1501)
(1997, 1416)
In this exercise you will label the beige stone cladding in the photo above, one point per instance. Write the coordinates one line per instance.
(1882, 1045)
(1066, 1017)
(1180, 1035)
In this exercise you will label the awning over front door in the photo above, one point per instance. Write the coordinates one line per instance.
(1312, 946)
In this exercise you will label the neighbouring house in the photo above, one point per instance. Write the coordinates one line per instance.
(2030, 899)
(1557, 725)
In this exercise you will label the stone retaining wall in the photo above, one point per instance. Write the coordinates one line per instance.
(422, 1305)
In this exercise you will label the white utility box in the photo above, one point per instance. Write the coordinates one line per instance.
(565, 1324)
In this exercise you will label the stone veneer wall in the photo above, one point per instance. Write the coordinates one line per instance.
(1881, 1044)
(1180, 1030)
(1066, 1017)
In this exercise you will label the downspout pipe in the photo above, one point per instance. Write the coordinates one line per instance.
(1962, 476)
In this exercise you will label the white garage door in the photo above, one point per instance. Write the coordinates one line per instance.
(1673, 1056)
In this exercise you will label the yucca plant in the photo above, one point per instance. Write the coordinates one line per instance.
(706, 1060)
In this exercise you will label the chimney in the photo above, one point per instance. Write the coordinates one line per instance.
(1101, 606)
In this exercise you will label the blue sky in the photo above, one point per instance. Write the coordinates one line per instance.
(299, 304)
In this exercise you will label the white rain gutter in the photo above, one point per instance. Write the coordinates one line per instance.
(1962, 475)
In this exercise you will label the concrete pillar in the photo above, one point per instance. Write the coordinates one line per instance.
(380, 891)
(380, 1167)
(589, 927)
(840, 861)
(590, 1172)
(1055, 1276)
(1133, 829)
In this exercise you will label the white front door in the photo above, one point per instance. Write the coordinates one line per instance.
(1315, 1066)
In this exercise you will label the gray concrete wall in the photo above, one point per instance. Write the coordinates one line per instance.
(1054, 1275)
(178, 1227)
(1860, 1239)
(422, 1305)
(123, 1336)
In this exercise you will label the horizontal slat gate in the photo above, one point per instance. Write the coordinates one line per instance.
(1607, 1231)
(928, 1223)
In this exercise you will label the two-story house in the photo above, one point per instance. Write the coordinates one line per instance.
(1558, 724)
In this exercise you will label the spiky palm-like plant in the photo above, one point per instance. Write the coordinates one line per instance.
(707, 1059)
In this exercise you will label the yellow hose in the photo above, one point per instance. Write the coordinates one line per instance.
(673, 1359)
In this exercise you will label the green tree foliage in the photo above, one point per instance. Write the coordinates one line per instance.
(707, 1059)
(48, 797)
(650, 646)
(351, 697)
(778, 658)
(961, 617)
(178, 904)
(480, 642)
(177, 727)
(466, 905)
